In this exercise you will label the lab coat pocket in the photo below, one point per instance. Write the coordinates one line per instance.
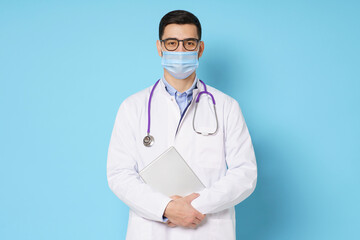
(216, 229)
(209, 150)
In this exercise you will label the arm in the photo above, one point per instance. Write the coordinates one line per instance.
(122, 172)
(240, 179)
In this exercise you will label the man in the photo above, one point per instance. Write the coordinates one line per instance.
(222, 157)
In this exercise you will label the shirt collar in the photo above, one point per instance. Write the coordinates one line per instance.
(172, 91)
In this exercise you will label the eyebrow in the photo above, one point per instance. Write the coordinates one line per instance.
(180, 39)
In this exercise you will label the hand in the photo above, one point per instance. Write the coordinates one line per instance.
(180, 212)
(169, 223)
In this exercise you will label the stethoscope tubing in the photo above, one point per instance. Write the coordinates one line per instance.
(149, 105)
(149, 140)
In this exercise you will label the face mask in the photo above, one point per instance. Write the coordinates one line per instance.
(180, 64)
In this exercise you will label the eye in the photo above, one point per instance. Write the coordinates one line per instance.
(171, 43)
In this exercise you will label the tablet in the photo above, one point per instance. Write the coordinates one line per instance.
(171, 175)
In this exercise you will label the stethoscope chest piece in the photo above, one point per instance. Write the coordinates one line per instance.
(148, 140)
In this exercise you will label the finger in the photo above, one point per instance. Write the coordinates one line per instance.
(197, 221)
(174, 197)
(170, 224)
(193, 225)
(201, 219)
(191, 197)
(199, 215)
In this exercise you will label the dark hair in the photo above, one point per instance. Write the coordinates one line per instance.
(179, 17)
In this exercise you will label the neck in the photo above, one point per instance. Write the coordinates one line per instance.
(181, 85)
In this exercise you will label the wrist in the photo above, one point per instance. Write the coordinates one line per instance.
(165, 215)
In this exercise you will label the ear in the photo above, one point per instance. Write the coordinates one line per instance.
(158, 46)
(201, 48)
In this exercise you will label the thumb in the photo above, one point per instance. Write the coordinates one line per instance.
(191, 197)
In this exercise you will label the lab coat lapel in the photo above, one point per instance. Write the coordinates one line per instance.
(196, 91)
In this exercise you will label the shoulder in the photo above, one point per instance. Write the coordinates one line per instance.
(135, 102)
(226, 105)
(229, 108)
(137, 97)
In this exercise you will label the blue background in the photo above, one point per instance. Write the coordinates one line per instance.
(66, 66)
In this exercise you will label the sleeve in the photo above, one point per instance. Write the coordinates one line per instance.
(122, 172)
(241, 176)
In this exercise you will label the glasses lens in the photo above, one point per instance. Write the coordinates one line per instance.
(171, 44)
(190, 44)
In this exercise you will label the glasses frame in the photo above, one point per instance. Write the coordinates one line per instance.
(178, 43)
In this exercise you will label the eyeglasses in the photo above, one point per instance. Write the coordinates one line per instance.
(171, 44)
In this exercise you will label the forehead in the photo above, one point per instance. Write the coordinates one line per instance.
(180, 31)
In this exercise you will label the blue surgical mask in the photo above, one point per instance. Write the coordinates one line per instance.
(180, 64)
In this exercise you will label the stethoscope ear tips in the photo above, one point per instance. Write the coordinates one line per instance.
(148, 141)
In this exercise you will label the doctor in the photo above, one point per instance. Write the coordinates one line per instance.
(222, 156)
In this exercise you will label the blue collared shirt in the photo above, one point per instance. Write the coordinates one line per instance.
(182, 99)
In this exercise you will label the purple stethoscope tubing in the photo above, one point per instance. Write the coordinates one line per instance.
(149, 105)
(204, 92)
(149, 140)
(196, 105)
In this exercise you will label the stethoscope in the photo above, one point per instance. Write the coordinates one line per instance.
(148, 140)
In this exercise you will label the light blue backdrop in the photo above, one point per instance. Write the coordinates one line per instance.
(66, 66)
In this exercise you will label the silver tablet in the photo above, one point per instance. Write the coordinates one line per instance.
(171, 175)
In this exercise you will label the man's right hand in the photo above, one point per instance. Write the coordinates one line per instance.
(180, 212)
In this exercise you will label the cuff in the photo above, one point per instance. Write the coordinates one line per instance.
(199, 203)
(164, 205)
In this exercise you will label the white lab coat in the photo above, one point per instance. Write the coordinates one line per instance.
(224, 162)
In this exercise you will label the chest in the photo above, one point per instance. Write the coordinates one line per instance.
(204, 154)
